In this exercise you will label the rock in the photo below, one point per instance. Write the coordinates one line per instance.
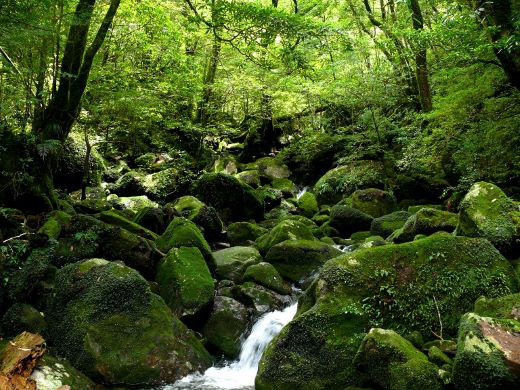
(146, 161)
(297, 259)
(308, 205)
(113, 218)
(487, 212)
(272, 168)
(393, 362)
(414, 209)
(53, 373)
(436, 356)
(227, 322)
(164, 185)
(360, 236)
(425, 222)
(205, 217)
(56, 220)
(266, 275)
(271, 197)
(372, 241)
(135, 203)
(488, 354)
(387, 224)
(348, 220)
(392, 286)
(22, 317)
(344, 180)
(104, 318)
(244, 233)
(234, 201)
(182, 232)
(287, 187)
(251, 178)
(507, 306)
(151, 218)
(285, 230)
(233, 262)
(185, 282)
(92, 206)
(259, 298)
(373, 202)
(227, 165)
(130, 184)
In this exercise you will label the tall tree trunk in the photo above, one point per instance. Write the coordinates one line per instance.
(421, 62)
(209, 80)
(497, 16)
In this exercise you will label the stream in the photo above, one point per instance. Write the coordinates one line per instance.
(240, 374)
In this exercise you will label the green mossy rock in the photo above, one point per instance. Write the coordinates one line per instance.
(286, 230)
(360, 236)
(261, 299)
(287, 187)
(227, 165)
(425, 221)
(272, 168)
(352, 292)
(308, 205)
(22, 317)
(387, 224)
(185, 282)
(387, 358)
(244, 233)
(188, 206)
(233, 262)
(205, 217)
(135, 203)
(52, 373)
(487, 212)
(56, 220)
(414, 209)
(372, 241)
(234, 200)
(507, 306)
(104, 318)
(227, 322)
(164, 185)
(113, 218)
(151, 218)
(92, 206)
(266, 275)
(348, 220)
(487, 354)
(251, 178)
(344, 180)
(182, 232)
(373, 202)
(130, 184)
(436, 356)
(297, 259)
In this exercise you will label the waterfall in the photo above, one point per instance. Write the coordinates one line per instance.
(301, 192)
(240, 374)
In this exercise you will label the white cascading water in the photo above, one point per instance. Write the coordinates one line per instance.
(301, 192)
(240, 374)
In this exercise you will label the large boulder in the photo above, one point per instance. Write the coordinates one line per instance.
(185, 282)
(348, 220)
(260, 299)
(227, 322)
(114, 218)
(286, 230)
(507, 306)
(308, 205)
(234, 200)
(487, 212)
(266, 275)
(251, 178)
(425, 221)
(488, 354)
(373, 202)
(297, 259)
(196, 211)
(233, 262)
(22, 317)
(387, 224)
(244, 233)
(53, 373)
(151, 218)
(392, 362)
(104, 318)
(344, 180)
(404, 287)
(272, 168)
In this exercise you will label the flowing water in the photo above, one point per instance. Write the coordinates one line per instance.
(240, 374)
(301, 192)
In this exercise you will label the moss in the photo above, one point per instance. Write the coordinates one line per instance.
(23, 317)
(104, 318)
(272, 168)
(164, 185)
(348, 220)
(308, 205)
(233, 262)
(185, 281)
(436, 356)
(266, 275)
(285, 230)
(416, 374)
(135, 203)
(244, 233)
(502, 307)
(52, 373)
(297, 259)
(114, 218)
(287, 187)
(152, 218)
(54, 224)
(387, 224)
(373, 202)
(360, 236)
(187, 206)
(261, 299)
(227, 165)
(425, 221)
(251, 178)
(320, 219)
(414, 209)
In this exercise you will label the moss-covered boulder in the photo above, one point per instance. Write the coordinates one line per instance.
(308, 205)
(389, 286)
(151, 218)
(344, 180)
(104, 318)
(185, 282)
(387, 224)
(266, 275)
(507, 306)
(227, 165)
(259, 298)
(135, 203)
(487, 354)
(272, 168)
(53, 373)
(297, 259)
(130, 184)
(244, 233)
(233, 262)
(227, 322)
(348, 220)
(182, 232)
(270, 196)
(164, 185)
(22, 317)
(234, 200)
(373, 202)
(392, 362)
(114, 218)
(251, 178)
(204, 216)
(285, 230)
(416, 208)
(425, 221)
(487, 212)
(287, 187)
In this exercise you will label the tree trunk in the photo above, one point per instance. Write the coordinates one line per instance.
(211, 73)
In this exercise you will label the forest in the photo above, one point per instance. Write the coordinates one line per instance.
(259, 194)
